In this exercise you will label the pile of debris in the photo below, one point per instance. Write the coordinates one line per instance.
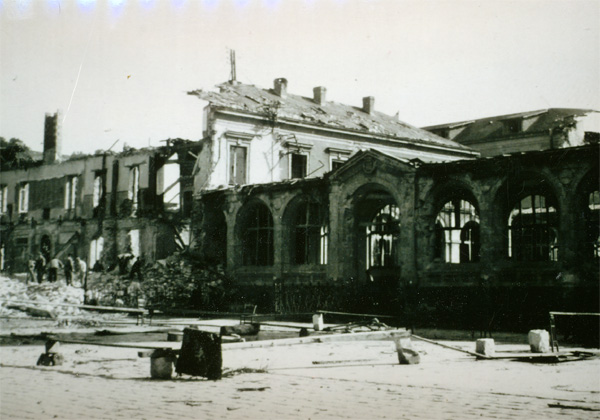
(18, 299)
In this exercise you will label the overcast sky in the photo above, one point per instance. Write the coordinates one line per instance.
(120, 69)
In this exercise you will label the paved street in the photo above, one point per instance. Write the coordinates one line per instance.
(359, 380)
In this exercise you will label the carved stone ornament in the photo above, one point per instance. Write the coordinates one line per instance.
(369, 165)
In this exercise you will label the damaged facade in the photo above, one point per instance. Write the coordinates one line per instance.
(97, 206)
(553, 128)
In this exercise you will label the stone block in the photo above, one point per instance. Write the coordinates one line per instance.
(485, 346)
(161, 364)
(539, 341)
(318, 322)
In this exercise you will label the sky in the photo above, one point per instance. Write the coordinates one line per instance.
(119, 70)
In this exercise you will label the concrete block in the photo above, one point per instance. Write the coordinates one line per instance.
(539, 341)
(406, 354)
(485, 346)
(318, 322)
(161, 364)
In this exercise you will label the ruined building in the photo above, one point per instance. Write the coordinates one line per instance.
(408, 223)
(96, 206)
(553, 128)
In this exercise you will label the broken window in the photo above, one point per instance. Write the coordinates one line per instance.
(310, 234)
(98, 190)
(3, 199)
(532, 230)
(96, 247)
(24, 198)
(237, 164)
(593, 224)
(70, 192)
(382, 236)
(257, 236)
(299, 165)
(134, 188)
(336, 164)
(457, 232)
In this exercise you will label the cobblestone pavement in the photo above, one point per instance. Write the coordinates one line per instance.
(113, 383)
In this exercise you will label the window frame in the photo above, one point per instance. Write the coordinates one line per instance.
(451, 246)
(256, 239)
(23, 206)
(307, 234)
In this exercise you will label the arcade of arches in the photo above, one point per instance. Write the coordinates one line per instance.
(504, 239)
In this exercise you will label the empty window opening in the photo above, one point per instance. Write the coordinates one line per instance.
(299, 165)
(382, 236)
(133, 192)
(70, 193)
(513, 126)
(257, 236)
(24, 198)
(98, 193)
(46, 213)
(310, 235)
(133, 242)
(237, 164)
(532, 230)
(457, 232)
(336, 164)
(593, 224)
(96, 247)
(3, 199)
(168, 179)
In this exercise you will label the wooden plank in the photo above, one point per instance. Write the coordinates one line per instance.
(329, 338)
(351, 314)
(472, 353)
(72, 305)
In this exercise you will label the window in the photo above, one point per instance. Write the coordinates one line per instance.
(382, 235)
(237, 164)
(3, 199)
(24, 198)
(134, 187)
(513, 126)
(593, 225)
(310, 235)
(532, 230)
(299, 165)
(457, 232)
(257, 236)
(98, 190)
(70, 192)
(336, 164)
(337, 157)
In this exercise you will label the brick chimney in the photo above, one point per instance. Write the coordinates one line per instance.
(280, 86)
(319, 94)
(52, 140)
(369, 104)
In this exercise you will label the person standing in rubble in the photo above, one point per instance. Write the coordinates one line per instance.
(69, 267)
(30, 269)
(81, 268)
(53, 267)
(40, 266)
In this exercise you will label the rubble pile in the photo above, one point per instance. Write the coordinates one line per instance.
(16, 297)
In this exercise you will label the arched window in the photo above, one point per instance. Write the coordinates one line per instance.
(382, 235)
(593, 225)
(457, 232)
(532, 230)
(257, 236)
(310, 234)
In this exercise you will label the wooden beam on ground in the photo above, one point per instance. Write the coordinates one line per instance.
(87, 307)
(126, 346)
(326, 338)
(351, 314)
(472, 353)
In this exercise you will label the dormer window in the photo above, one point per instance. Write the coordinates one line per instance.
(513, 126)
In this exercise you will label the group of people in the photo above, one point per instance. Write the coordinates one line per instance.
(73, 267)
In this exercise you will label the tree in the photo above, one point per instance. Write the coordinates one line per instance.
(15, 154)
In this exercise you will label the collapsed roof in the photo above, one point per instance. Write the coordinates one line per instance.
(277, 104)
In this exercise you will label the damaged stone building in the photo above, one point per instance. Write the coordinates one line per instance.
(97, 206)
(312, 203)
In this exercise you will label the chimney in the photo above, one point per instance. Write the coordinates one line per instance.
(52, 140)
(280, 86)
(368, 104)
(319, 93)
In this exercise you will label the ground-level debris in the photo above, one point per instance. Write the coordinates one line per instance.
(200, 354)
(332, 362)
(573, 407)
(260, 388)
(242, 329)
(472, 353)
(230, 373)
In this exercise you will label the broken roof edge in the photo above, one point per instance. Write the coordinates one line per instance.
(527, 114)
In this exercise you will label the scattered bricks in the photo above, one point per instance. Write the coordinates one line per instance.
(406, 354)
(539, 341)
(50, 359)
(200, 354)
(485, 346)
(318, 322)
(161, 363)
